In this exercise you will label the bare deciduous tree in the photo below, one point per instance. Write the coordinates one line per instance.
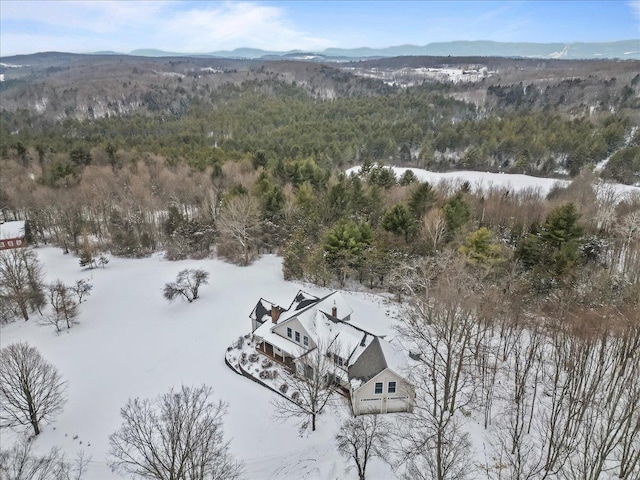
(82, 288)
(239, 223)
(434, 228)
(21, 463)
(177, 436)
(187, 285)
(312, 385)
(21, 281)
(440, 328)
(64, 307)
(31, 389)
(362, 438)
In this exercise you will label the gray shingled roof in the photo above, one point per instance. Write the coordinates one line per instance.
(370, 362)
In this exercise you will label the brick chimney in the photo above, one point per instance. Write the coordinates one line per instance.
(275, 313)
(334, 311)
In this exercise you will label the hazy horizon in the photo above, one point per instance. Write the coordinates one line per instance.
(200, 27)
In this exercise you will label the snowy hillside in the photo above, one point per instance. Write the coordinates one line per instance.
(131, 342)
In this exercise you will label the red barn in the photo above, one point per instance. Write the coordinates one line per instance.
(12, 235)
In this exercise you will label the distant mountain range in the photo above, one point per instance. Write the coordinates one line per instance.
(624, 49)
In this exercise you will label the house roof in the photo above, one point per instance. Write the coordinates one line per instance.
(306, 313)
(395, 356)
(302, 300)
(379, 355)
(315, 316)
(340, 337)
(366, 353)
(262, 310)
(12, 230)
(369, 363)
(264, 331)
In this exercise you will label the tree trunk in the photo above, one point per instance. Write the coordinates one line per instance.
(313, 422)
(34, 420)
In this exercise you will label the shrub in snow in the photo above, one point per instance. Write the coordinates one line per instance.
(283, 388)
(187, 285)
(266, 363)
(253, 358)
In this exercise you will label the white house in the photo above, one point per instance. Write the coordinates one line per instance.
(369, 369)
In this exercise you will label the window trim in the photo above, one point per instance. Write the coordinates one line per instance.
(305, 341)
(297, 336)
(289, 332)
(376, 390)
(395, 387)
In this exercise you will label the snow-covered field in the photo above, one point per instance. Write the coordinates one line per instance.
(514, 182)
(131, 342)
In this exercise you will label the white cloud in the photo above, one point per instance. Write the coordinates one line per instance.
(635, 8)
(84, 26)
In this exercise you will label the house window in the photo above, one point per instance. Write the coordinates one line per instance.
(305, 340)
(392, 387)
(1, 244)
(289, 333)
(298, 337)
(378, 387)
(338, 382)
(18, 242)
(10, 243)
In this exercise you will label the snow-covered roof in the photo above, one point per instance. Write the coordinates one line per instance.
(340, 337)
(335, 333)
(306, 314)
(265, 332)
(366, 353)
(302, 300)
(12, 230)
(395, 357)
(262, 311)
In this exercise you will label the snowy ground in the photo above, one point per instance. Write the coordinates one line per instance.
(131, 342)
(514, 182)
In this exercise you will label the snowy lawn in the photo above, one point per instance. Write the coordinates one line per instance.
(131, 342)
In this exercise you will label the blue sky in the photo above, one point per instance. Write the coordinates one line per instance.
(202, 26)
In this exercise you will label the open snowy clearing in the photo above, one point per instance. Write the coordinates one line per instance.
(131, 342)
(515, 182)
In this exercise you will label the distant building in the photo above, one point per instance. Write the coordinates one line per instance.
(12, 235)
